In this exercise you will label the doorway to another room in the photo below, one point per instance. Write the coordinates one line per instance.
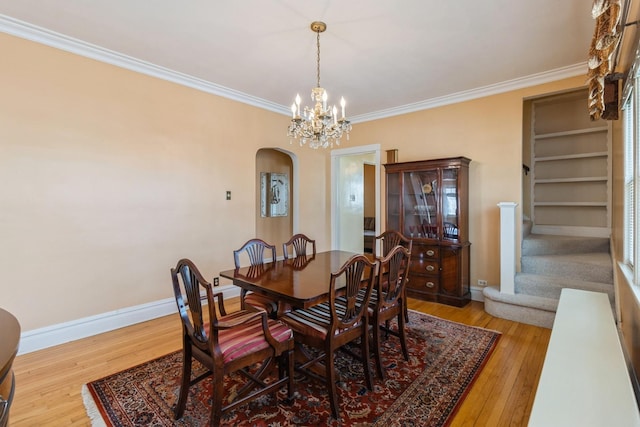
(355, 190)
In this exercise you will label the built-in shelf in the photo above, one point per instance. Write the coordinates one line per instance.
(572, 156)
(563, 180)
(571, 132)
(570, 188)
(572, 204)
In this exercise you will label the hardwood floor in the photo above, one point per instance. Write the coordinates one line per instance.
(49, 382)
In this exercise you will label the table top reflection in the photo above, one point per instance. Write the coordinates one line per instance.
(300, 282)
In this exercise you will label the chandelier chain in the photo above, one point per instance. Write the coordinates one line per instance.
(318, 58)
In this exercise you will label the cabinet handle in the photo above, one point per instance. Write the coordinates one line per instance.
(430, 268)
(430, 284)
(431, 252)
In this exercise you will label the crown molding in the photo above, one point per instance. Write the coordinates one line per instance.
(46, 37)
(506, 86)
(41, 35)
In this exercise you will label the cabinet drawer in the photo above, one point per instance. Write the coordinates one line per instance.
(429, 284)
(424, 266)
(423, 251)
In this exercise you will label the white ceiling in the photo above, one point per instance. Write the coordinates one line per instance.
(384, 56)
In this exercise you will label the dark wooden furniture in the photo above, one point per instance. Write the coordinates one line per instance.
(226, 343)
(298, 243)
(428, 201)
(390, 239)
(334, 323)
(254, 251)
(299, 282)
(9, 340)
(388, 300)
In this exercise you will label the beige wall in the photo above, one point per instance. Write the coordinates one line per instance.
(108, 177)
(489, 132)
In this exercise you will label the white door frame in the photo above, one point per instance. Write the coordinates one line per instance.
(335, 178)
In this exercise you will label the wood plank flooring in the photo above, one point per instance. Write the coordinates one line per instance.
(49, 382)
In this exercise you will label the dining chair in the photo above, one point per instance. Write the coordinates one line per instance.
(330, 325)
(255, 249)
(298, 243)
(388, 301)
(389, 240)
(224, 343)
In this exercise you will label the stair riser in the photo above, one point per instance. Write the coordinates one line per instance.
(551, 286)
(560, 247)
(575, 270)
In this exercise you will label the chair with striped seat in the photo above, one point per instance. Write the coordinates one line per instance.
(246, 341)
(255, 250)
(340, 320)
(388, 301)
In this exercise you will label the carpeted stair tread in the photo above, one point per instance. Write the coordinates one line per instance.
(532, 310)
(539, 244)
(592, 267)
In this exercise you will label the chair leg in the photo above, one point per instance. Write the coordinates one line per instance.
(401, 332)
(366, 361)
(290, 373)
(184, 383)
(216, 402)
(331, 383)
(377, 349)
(243, 292)
(405, 307)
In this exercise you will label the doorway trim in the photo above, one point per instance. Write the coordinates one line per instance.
(335, 178)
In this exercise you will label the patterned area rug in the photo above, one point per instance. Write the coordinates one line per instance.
(445, 358)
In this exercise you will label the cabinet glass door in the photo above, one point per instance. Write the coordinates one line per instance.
(393, 201)
(450, 208)
(421, 204)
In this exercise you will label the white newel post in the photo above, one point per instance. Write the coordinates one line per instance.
(507, 246)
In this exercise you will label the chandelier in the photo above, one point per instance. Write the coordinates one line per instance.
(319, 126)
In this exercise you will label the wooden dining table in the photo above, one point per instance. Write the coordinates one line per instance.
(299, 282)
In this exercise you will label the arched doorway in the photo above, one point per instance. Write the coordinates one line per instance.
(275, 196)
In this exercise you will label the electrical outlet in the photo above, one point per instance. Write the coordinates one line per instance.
(482, 282)
(216, 281)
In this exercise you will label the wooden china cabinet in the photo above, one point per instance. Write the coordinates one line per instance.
(428, 201)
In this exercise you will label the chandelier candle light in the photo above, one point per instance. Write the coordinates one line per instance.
(319, 126)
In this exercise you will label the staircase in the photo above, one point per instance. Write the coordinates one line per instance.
(548, 264)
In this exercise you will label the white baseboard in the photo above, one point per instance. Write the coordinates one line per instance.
(476, 294)
(49, 336)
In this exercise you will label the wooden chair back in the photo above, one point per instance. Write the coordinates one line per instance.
(298, 243)
(255, 250)
(392, 277)
(390, 239)
(358, 277)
